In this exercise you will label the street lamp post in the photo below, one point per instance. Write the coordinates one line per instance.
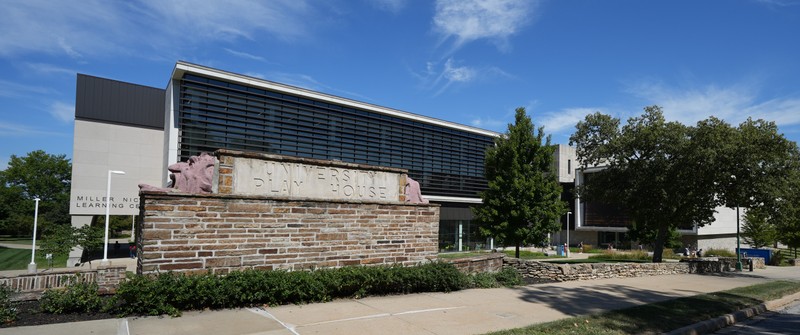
(567, 246)
(738, 245)
(32, 265)
(108, 209)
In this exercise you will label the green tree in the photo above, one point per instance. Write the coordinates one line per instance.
(658, 171)
(522, 202)
(667, 175)
(36, 175)
(59, 239)
(90, 239)
(784, 213)
(757, 231)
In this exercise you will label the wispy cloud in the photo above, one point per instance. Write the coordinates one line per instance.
(60, 27)
(779, 3)
(465, 21)
(245, 55)
(96, 27)
(50, 69)
(233, 19)
(308, 82)
(452, 74)
(495, 122)
(440, 77)
(21, 130)
(733, 103)
(63, 112)
(564, 120)
(392, 6)
(16, 90)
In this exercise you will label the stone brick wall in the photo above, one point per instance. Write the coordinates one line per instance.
(485, 263)
(219, 233)
(544, 272)
(31, 286)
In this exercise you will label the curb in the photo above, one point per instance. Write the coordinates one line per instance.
(726, 320)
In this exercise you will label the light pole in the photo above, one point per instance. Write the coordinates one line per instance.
(567, 246)
(738, 245)
(108, 209)
(32, 265)
(133, 222)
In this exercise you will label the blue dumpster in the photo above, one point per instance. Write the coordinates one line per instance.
(764, 253)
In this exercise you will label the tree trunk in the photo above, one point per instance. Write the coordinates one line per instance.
(658, 246)
(517, 252)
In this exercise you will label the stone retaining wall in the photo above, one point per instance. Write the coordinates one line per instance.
(220, 233)
(485, 263)
(544, 272)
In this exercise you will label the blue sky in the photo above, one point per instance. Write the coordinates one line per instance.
(465, 61)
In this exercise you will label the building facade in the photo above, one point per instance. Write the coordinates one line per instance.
(142, 130)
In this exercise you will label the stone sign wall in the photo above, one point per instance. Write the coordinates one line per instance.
(304, 178)
(279, 212)
(220, 233)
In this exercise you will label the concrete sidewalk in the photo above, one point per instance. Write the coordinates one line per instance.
(465, 312)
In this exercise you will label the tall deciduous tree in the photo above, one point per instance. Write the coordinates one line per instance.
(757, 231)
(36, 175)
(522, 202)
(668, 176)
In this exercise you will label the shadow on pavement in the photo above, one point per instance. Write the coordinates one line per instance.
(594, 299)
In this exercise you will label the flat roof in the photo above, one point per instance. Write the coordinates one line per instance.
(182, 67)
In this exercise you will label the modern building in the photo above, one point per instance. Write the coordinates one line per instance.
(142, 130)
(602, 225)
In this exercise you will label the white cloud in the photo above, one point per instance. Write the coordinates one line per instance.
(96, 27)
(451, 74)
(231, 19)
(59, 27)
(469, 20)
(245, 55)
(455, 73)
(18, 130)
(50, 69)
(62, 111)
(778, 3)
(565, 119)
(440, 78)
(733, 104)
(491, 123)
(16, 90)
(495, 122)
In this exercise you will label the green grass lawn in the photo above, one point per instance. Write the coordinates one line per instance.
(18, 259)
(464, 254)
(672, 314)
(523, 254)
(16, 240)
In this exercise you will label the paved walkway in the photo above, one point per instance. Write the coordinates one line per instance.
(465, 312)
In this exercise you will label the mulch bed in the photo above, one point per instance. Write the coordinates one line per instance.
(28, 314)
